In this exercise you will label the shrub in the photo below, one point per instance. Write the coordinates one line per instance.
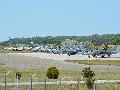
(52, 73)
(88, 75)
(18, 74)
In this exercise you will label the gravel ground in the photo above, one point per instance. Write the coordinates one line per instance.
(43, 61)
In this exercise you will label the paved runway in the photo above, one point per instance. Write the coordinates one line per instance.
(43, 61)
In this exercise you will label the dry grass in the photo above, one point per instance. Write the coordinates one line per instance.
(96, 62)
(108, 86)
(70, 74)
(41, 74)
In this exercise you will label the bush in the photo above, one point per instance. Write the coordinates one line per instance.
(52, 73)
(88, 75)
(18, 74)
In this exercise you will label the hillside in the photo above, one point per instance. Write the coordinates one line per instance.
(95, 39)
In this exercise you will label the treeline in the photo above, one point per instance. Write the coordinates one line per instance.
(95, 39)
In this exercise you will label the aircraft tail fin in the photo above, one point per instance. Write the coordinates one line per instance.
(114, 48)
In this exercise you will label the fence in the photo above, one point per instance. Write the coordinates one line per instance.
(47, 84)
(9, 81)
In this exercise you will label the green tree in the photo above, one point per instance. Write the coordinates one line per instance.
(52, 73)
(116, 41)
(57, 40)
(88, 75)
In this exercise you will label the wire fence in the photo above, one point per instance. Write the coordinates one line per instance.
(32, 84)
(9, 81)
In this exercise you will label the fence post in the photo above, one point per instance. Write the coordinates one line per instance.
(17, 83)
(78, 83)
(77, 86)
(6, 80)
(70, 87)
(60, 85)
(94, 86)
(61, 82)
(5, 83)
(45, 85)
(31, 84)
(31, 80)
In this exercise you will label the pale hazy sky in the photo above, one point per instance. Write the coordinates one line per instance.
(27, 18)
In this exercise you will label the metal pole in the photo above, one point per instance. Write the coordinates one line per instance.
(77, 86)
(60, 85)
(94, 86)
(31, 84)
(31, 80)
(5, 83)
(6, 80)
(45, 85)
(17, 83)
(61, 82)
(70, 87)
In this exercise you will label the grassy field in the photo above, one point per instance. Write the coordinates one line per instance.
(109, 86)
(96, 62)
(41, 74)
(70, 75)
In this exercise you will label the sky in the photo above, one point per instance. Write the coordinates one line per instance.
(28, 18)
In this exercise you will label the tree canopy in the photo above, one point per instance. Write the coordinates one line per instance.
(94, 39)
